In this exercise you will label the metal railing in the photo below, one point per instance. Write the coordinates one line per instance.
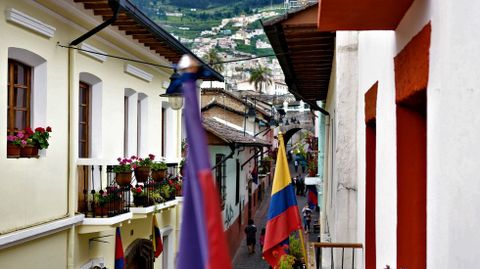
(319, 246)
(100, 198)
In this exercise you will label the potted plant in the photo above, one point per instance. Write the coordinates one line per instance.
(140, 197)
(14, 143)
(266, 164)
(286, 262)
(123, 171)
(176, 184)
(312, 168)
(40, 137)
(109, 200)
(143, 167)
(159, 170)
(182, 164)
(295, 249)
(166, 190)
(36, 140)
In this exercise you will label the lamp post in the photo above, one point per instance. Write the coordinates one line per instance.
(174, 92)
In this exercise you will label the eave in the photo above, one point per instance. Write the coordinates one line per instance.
(136, 24)
(335, 15)
(304, 53)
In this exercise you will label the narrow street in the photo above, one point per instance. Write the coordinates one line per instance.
(242, 260)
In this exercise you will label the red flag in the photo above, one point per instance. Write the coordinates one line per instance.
(119, 258)
(157, 238)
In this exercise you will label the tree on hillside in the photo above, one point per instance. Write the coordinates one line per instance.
(213, 59)
(260, 77)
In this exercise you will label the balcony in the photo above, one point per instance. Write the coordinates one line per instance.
(99, 195)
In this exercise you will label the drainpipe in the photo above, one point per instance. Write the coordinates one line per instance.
(325, 175)
(115, 6)
(71, 171)
(233, 146)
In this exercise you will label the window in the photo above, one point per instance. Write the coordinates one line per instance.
(89, 116)
(237, 184)
(164, 126)
(19, 92)
(130, 123)
(125, 128)
(220, 175)
(84, 120)
(142, 124)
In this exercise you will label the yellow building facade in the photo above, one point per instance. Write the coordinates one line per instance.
(40, 224)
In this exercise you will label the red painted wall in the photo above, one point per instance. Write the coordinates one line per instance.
(411, 188)
(370, 184)
(234, 235)
(411, 80)
(370, 230)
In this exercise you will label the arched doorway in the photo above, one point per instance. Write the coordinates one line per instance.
(139, 254)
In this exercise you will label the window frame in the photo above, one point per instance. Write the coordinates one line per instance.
(11, 86)
(87, 106)
(220, 178)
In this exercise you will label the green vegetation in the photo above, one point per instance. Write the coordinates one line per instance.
(187, 19)
(259, 77)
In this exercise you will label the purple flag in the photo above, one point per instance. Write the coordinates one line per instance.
(202, 240)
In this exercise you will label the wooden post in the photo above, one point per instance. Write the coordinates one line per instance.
(300, 232)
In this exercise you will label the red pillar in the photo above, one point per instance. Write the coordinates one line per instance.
(411, 80)
(370, 188)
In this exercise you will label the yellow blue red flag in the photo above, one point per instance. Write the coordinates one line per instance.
(157, 238)
(283, 214)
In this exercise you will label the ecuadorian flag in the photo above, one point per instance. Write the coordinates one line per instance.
(283, 214)
(157, 238)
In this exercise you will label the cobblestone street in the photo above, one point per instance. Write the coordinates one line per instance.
(242, 260)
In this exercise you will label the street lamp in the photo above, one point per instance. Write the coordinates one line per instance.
(251, 114)
(174, 92)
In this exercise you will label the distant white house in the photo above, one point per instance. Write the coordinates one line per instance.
(173, 14)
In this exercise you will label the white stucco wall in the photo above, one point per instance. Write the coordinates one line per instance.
(341, 171)
(453, 128)
(452, 131)
(231, 207)
(376, 64)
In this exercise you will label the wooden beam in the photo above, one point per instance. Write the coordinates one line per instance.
(97, 5)
(90, 1)
(105, 13)
(149, 40)
(140, 36)
(124, 22)
(137, 32)
(134, 27)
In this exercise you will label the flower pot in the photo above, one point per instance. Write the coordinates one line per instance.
(29, 151)
(159, 175)
(104, 209)
(142, 173)
(13, 151)
(140, 200)
(123, 178)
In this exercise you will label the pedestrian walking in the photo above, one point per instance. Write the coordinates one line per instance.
(251, 232)
(302, 186)
(303, 163)
(298, 186)
(262, 239)
(307, 217)
(295, 163)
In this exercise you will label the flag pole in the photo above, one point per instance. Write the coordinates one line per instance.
(300, 232)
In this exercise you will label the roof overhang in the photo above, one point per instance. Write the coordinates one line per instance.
(231, 136)
(305, 54)
(140, 27)
(334, 15)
